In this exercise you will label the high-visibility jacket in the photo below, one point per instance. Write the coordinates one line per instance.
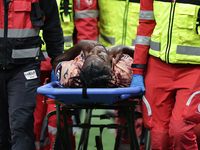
(169, 31)
(66, 14)
(118, 21)
(20, 24)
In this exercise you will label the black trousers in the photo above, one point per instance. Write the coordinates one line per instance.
(17, 103)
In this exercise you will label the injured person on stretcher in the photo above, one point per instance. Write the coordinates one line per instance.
(89, 64)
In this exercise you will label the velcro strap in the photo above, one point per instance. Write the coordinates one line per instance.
(138, 65)
(84, 93)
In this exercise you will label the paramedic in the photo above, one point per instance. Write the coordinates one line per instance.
(20, 58)
(167, 50)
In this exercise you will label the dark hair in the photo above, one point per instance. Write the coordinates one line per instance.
(93, 77)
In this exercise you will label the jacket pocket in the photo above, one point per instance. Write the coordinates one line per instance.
(191, 112)
(186, 16)
(36, 15)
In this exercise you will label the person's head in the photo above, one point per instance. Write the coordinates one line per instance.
(96, 70)
(98, 56)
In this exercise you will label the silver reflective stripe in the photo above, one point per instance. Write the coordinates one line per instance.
(78, 4)
(188, 50)
(39, 145)
(1, 33)
(23, 33)
(25, 53)
(155, 46)
(110, 40)
(45, 53)
(142, 40)
(147, 105)
(68, 39)
(146, 15)
(52, 130)
(133, 42)
(191, 97)
(86, 14)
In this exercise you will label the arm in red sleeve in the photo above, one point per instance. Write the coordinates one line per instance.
(144, 31)
(86, 19)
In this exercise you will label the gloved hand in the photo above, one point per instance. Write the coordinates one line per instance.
(138, 81)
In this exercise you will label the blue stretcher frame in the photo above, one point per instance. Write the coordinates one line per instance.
(75, 95)
(105, 96)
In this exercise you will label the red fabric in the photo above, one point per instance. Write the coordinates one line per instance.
(41, 110)
(173, 84)
(87, 27)
(145, 28)
(52, 123)
(17, 20)
(122, 121)
(197, 133)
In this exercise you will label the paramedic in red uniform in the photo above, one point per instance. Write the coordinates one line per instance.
(167, 55)
(20, 57)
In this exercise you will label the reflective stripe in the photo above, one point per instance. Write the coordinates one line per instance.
(146, 15)
(133, 42)
(191, 97)
(78, 4)
(39, 145)
(110, 40)
(45, 54)
(25, 53)
(1, 33)
(20, 33)
(142, 40)
(68, 39)
(147, 105)
(188, 50)
(155, 46)
(86, 14)
(52, 130)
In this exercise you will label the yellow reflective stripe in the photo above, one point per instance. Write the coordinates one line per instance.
(86, 14)
(20, 33)
(146, 15)
(25, 53)
(188, 50)
(143, 40)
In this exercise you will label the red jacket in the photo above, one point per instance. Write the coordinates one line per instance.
(145, 28)
(86, 19)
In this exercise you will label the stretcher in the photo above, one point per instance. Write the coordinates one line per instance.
(91, 98)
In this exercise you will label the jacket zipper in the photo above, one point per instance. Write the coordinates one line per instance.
(125, 23)
(6, 6)
(169, 35)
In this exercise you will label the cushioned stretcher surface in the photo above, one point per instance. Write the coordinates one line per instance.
(75, 95)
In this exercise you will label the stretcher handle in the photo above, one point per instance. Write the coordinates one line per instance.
(43, 131)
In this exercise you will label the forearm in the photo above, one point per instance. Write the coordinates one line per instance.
(69, 54)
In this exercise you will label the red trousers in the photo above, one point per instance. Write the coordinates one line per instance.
(171, 104)
(41, 110)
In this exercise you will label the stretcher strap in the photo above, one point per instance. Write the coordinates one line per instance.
(84, 93)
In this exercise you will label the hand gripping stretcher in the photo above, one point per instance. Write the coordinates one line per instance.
(91, 98)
